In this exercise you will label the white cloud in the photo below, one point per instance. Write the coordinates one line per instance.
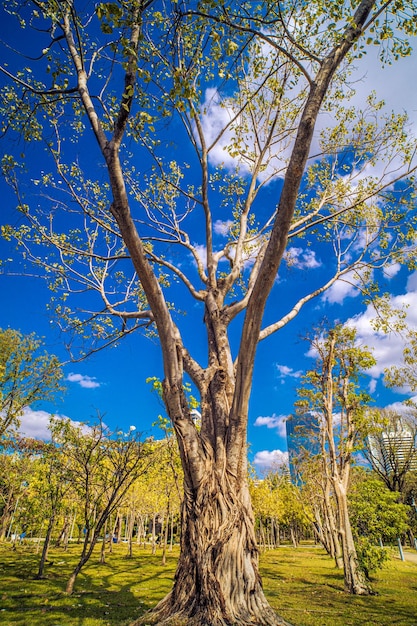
(222, 227)
(270, 459)
(400, 407)
(273, 421)
(343, 288)
(301, 259)
(220, 123)
(387, 348)
(35, 423)
(284, 371)
(201, 252)
(390, 83)
(87, 382)
(249, 254)
(412, 282)
(390, 271)
(215, 119)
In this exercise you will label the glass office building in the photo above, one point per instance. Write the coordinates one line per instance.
(302, 441)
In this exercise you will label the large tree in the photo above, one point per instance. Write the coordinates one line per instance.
(111, 90)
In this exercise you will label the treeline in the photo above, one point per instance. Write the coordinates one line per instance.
(89, 485)
(286, 512)
(86, 485)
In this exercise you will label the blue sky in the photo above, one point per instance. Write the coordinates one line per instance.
(112, 382)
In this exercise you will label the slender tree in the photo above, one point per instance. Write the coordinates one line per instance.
(102, 466)
(332, 391)
(239, 88)
(53, 485)
(17, 480)
(317, 489)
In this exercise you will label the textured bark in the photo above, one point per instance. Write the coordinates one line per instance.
(63, 535)
(103, 545)
(217, 581)
(6, 519)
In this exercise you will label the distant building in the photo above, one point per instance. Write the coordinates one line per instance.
(302, 441)
(394, 451)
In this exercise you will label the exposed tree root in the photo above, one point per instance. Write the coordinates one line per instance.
(269, 618)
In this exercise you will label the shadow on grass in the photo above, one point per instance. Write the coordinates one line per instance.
(302, 585)
(116, 592)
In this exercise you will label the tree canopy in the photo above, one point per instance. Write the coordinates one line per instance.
(27, 376)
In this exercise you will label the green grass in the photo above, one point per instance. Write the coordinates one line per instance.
(302, 585)
(306, 589)
(113, 593)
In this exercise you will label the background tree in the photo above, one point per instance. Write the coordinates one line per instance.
(171, 480)
(332, 392)
(296, 513)
(17, 472)
(27, 376)
(124, 73)
(267, 509)
(376, 517)
(279, 508)
(102, 466)
(53, 485)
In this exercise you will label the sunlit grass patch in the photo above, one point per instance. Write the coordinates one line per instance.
(302, 585)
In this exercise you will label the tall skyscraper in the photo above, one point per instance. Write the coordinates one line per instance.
(302, 441)
(394, 450)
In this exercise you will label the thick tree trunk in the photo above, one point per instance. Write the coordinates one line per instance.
(354, 577)
(217, 582)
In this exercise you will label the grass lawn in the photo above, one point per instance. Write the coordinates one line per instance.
(302, 585)
(306, 589)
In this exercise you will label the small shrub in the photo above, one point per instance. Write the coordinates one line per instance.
(371, 557)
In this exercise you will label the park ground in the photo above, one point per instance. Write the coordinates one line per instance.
(301, 584)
